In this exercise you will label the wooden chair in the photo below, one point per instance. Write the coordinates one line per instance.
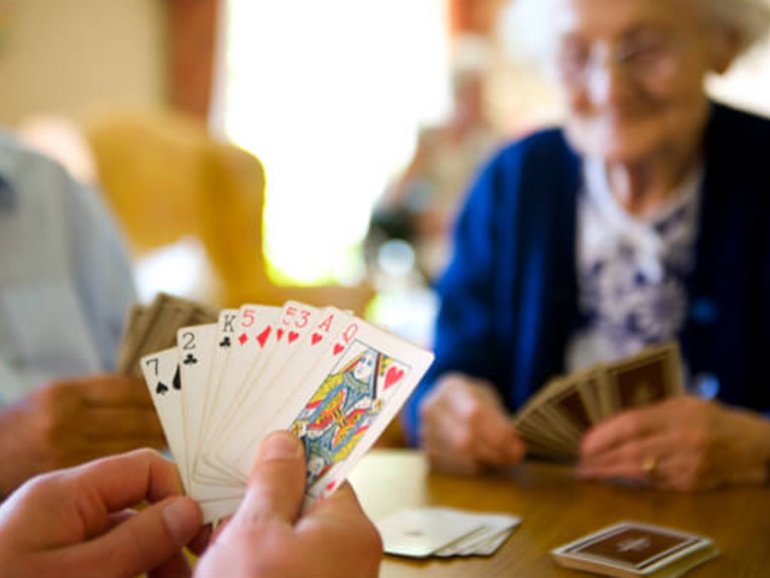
(166, 178)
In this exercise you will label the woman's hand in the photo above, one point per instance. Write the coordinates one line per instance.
(465, 428)
(684, 444)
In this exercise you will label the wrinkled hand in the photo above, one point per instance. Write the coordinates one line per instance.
(684, 444)
(73, 421)
(269, 538)
(465, 428)
(76, 522)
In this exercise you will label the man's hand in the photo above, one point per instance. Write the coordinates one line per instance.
(684, 444)
(77, 523)
(465, 428)
(73, 421)
(269, 538)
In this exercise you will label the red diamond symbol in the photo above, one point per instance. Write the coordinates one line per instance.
(243, 338)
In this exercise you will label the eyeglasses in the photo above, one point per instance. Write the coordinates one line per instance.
(652, 59)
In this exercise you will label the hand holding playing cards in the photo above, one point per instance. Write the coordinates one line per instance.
(268, 537)
(73, 421)
(683, 443)
(465, 427)
(77, 523)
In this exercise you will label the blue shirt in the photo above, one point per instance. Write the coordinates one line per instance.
(509, 299)
(65, 278)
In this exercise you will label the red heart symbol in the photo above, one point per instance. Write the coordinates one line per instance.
(337, 348)
(316, 338)
(262, 337)
(279, 334)
(293, 336)
(392, 376)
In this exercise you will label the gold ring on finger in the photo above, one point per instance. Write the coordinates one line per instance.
(650, 466)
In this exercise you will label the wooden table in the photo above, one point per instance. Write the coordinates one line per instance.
(556, 509)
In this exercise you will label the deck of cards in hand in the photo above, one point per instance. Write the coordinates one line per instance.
(553, 421)
(334, 380)
(153, 327)
(632, 550)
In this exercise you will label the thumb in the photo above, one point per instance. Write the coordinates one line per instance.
(277, 482)
(144, 541)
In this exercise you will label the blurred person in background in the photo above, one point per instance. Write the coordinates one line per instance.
(79, 523)
(65, 287)
(420, 205)
(645, 218)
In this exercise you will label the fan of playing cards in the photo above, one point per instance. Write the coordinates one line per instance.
(553, 420)
(333, 379)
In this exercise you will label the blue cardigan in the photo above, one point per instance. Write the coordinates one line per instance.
(509, 296)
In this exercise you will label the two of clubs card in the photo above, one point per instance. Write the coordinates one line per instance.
(444, 532)
(633, 549)
(553, 421)
(332, 379)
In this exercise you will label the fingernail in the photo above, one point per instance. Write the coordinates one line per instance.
(280, 446)
(182, 519)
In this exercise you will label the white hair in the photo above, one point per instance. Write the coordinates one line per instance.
(525, 23)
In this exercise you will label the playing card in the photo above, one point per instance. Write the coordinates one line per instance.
(254, 330)
(629, 549)
(224, 341)
(570, 404)
(650, 376)
(125, 363)
(196, 349)
(491, 544)
(162, 374)
(294, 322)
(269, 390)
(347, 399)
(196, 352)
(494, 531)
(420, 532)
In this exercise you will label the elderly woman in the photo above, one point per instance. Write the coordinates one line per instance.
(647, 218)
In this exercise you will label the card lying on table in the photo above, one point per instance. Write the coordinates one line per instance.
(632, 549)
(334, 380)
(444, 532)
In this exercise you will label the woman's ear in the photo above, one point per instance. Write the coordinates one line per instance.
(724, 49)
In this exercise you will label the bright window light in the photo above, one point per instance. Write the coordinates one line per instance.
(329, 94)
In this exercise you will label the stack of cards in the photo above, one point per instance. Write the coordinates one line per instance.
(329, 377)
(631, 549)
(444, 532)
(153, 327)
(554, 420)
